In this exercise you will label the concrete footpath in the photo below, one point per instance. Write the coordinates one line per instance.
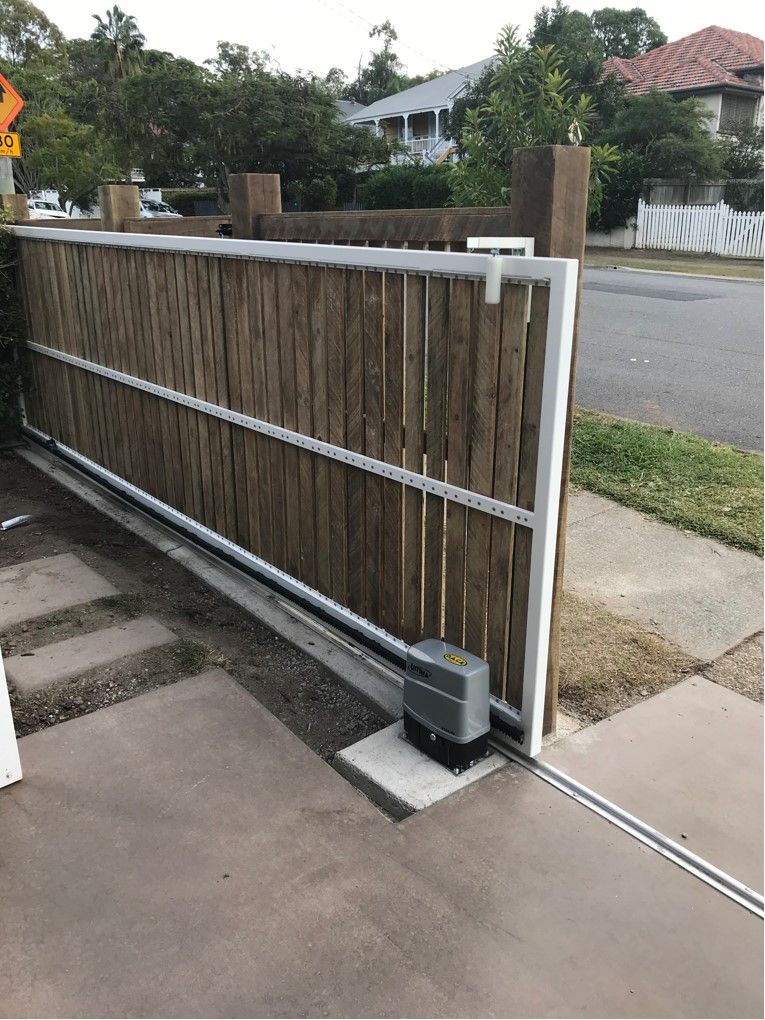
(184, 854)
(702, 596)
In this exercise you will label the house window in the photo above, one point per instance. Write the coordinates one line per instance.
(737, 111)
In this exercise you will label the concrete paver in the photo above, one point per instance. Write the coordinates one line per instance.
(64, 659)
(183, 854)
(687, 761)
(395, 775)
(37, 587)
(701, 595)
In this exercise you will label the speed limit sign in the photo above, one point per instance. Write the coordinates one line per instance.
(10, 144)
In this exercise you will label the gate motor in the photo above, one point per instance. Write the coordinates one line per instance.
(446, 703)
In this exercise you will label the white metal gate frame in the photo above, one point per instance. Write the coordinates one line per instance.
(560, 275)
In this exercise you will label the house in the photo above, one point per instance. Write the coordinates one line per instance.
(719, 67)
(417, 116)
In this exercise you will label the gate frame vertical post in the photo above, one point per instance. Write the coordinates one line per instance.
(548, 201)
(250, 197)
(10, 763)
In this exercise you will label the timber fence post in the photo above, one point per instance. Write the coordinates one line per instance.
(548, 201)
(250, 196)
(118, 202)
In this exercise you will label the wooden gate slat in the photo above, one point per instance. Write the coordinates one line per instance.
(414, 424)
(354, 405)
(435, 451)
(527, 471)
(373, 440)
(275, 450)
(483, 421)
(304, 397)
(320, 386)
(393, 448)
(285, 337)
(336, 422)
(509, 406)
(261, 498)
(460, 363)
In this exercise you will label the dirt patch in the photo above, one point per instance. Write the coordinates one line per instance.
(740, 669)
(210, 629)
(609, 663)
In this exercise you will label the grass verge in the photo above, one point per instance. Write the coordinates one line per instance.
(667, 262)
(678, 477)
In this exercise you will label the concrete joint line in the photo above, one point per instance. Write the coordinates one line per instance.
(640, 830)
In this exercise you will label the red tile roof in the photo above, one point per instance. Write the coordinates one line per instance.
(705, 59)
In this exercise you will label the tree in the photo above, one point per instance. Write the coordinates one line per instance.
(742, 153)
(26, 33)
(574, 39)
(257, 120)
(670, 134)
(168, 145)
(531, 103)
(61, 154)
(626, 33)
(120, 40)
(383, 75)
(475, 95)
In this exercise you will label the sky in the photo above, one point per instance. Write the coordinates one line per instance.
(315, 35)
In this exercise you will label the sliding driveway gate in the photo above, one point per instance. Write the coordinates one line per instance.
(355, 425)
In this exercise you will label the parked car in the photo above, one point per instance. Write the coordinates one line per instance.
(45, 209)
(151, 209)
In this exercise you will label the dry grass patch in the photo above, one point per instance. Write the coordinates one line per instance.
(608, 663)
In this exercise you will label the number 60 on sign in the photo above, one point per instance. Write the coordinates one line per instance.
(10, 144)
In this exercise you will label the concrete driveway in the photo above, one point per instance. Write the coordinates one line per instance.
(184, 854)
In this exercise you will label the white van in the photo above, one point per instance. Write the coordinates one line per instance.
(45, 209)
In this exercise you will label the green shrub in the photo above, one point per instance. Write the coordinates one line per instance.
(621, 193)
(408, 186)
(314, 193)
(184, 200)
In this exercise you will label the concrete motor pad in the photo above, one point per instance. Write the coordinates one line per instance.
(400, 778)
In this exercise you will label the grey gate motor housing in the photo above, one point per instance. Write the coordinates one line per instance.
(446, 703)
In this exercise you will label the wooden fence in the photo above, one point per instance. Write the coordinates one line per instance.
(714, 229)
(410, 368)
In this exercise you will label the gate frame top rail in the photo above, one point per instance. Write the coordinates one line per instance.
(561, 277)
(520, 268)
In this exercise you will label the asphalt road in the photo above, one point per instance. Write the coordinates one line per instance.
(674, 350)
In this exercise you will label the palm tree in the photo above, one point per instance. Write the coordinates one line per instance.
(120, 38)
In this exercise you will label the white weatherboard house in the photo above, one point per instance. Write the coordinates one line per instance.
(417, 116)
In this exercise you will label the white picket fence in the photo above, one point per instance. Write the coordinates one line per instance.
(716, 229)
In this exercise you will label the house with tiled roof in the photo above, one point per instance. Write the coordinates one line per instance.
(719, 67)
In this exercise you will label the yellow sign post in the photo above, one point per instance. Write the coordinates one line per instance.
(10, 144)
